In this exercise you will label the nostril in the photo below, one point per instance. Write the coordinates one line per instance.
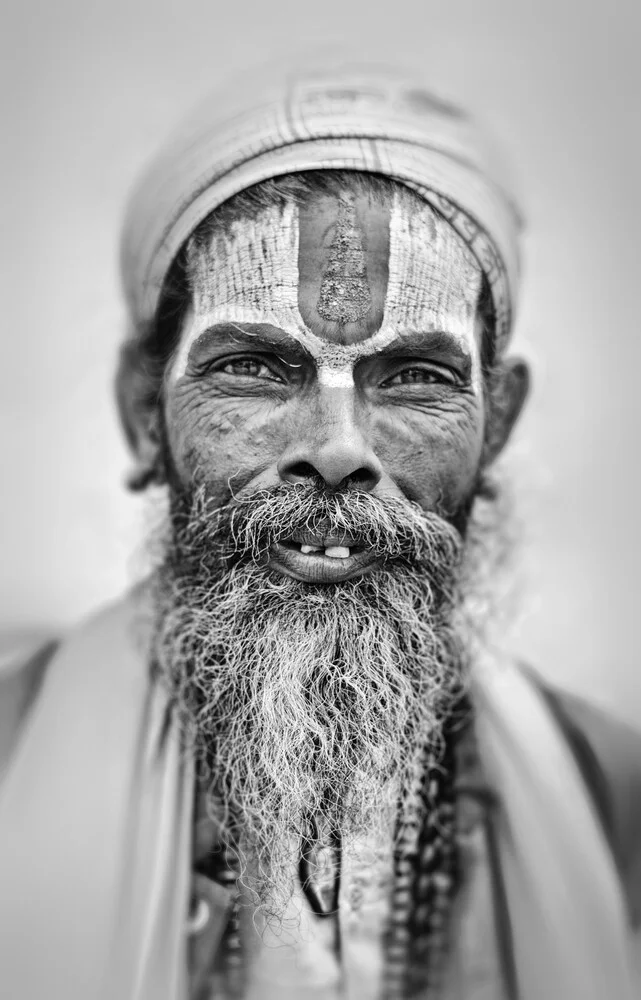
(360, 477)
(337, 467)
(303, 470)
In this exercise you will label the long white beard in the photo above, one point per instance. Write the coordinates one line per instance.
(307, 701)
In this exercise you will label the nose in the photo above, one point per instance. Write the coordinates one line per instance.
(332, 447)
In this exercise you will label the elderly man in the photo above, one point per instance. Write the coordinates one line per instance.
(287, 766)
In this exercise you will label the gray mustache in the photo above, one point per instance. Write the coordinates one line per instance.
(389, 526)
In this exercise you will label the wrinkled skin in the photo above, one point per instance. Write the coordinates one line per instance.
(264, 390)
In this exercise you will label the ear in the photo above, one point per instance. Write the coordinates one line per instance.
(507, 390)
(147, 447)
(140, 417)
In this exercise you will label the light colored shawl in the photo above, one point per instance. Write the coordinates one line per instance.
(95, 831)
(348, 119)
(95, 824)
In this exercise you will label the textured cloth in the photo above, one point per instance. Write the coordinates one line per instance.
(375, 122)
(95, 839)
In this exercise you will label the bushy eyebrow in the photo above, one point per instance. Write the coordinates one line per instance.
(255, 336)
(434, 344)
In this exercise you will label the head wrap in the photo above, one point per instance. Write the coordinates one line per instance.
(372, 121)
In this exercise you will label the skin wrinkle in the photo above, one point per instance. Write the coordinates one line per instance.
(424, 255)
(197, 438)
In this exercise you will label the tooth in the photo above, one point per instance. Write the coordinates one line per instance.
(337, 552)
(306, 549)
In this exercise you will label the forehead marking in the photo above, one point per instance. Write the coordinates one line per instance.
(434, 280)
(249, 273)
(345, 295)
(339, 377)
(342, 262)
(251, 266)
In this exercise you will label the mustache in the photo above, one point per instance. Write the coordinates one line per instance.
(247, 528)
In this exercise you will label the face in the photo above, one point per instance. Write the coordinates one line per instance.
(336, 343)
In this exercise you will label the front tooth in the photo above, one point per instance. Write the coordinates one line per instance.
(337, 552)
(306, 549)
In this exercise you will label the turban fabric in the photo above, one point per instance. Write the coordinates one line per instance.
(375, 122)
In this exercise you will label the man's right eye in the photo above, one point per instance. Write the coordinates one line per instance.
(248, 368)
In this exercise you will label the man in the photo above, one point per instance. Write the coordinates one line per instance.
(287, 765)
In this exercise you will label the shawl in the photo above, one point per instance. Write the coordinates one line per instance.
(351, 119)
(95, 837)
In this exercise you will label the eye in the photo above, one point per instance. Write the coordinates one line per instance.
(248, 367)
(421, 375)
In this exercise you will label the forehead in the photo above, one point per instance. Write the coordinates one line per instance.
(347, 271)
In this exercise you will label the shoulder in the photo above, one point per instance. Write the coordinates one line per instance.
(608, 753)
(21, 677)
(114, 634)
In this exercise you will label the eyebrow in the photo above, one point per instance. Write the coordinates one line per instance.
(258, 335)
(432, 343)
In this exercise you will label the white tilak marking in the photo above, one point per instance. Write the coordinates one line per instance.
(249, 274)
(434, 279)
(339, 378)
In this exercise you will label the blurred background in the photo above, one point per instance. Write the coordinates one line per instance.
(90, 89)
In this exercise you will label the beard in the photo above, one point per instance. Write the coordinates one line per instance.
(307, 706)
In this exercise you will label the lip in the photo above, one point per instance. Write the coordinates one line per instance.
(319, 568)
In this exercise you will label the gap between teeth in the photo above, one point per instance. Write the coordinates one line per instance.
(332, 551)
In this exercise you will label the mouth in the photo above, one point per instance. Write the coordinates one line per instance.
(315, 559)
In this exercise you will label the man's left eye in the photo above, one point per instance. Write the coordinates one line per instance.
(418, 375)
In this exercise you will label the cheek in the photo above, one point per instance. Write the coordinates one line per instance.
(225, 445)
(433, 457)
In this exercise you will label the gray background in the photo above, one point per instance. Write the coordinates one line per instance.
(90, 89)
